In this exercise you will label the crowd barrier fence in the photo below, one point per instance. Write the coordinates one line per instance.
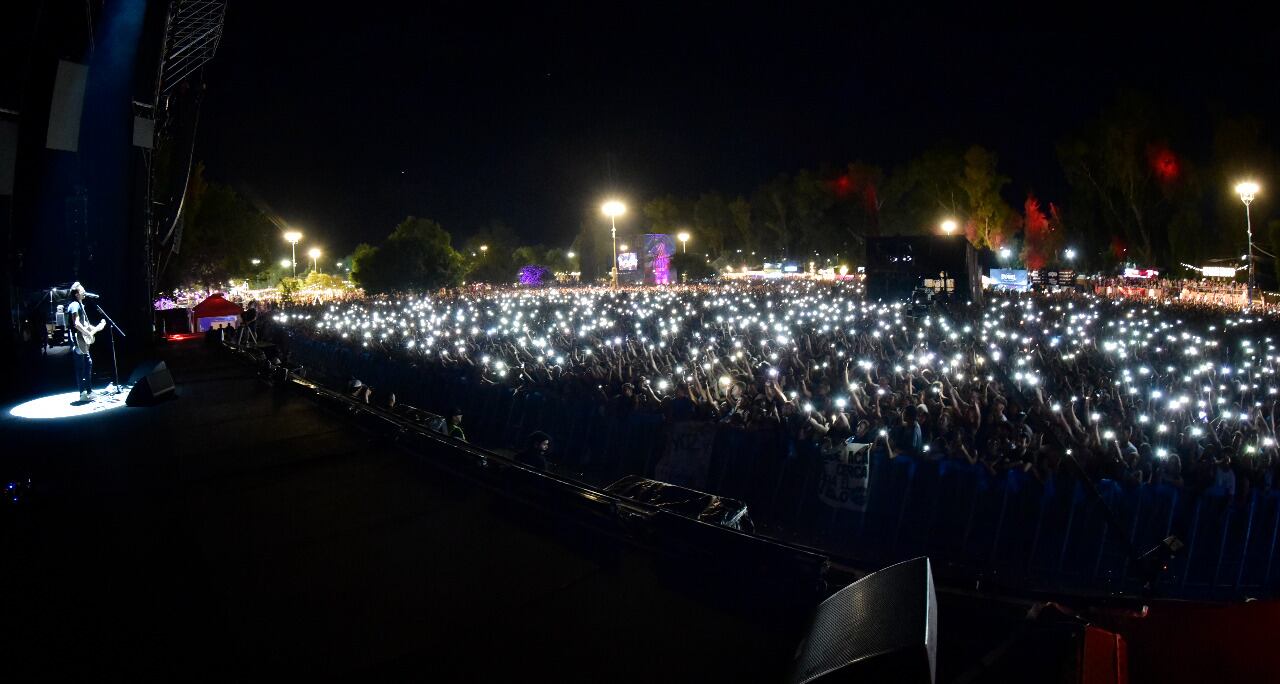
(1011, 528)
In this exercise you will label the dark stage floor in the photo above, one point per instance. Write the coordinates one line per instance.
(242, 529)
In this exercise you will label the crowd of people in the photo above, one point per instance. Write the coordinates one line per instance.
(1210, 293)
(1050, 384)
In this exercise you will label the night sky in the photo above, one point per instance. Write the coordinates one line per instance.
(344, 124)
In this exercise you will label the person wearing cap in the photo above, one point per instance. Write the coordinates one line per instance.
(360, 391)
(455, 424)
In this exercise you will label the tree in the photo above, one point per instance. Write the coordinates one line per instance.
(771, 209)
(691, 267)
(361, 260)
(549, 258)
(713, 223)
(667, 214)
(495, 264)
(1240, 152)
(740, 210)
(222, 235)
(922, 193)
(991, 222)
(558, 260)
(1131, 182)
(316, 280)
(1042, 240)
(418, 255)
(813, 213)
(528, 254)
(1273, 238)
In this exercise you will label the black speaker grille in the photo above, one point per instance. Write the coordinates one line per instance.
(887, 613)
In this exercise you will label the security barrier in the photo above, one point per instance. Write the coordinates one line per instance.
(1010, 529)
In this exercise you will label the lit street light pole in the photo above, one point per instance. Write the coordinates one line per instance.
(293, 236)
(949, 226)
(684, 242)
(1247, 191)
(613, 209)
(315, 259)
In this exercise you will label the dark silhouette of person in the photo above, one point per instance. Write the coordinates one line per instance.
(535, 454)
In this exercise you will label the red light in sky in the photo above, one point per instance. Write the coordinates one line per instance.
(1118, 247)
(843, 185)
(1164, 163)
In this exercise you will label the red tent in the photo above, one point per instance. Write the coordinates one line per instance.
(216, 311)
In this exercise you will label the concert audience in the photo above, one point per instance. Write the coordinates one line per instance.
(1179, 393)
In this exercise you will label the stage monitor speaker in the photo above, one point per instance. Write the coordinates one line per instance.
(152, 384)
(882, 628)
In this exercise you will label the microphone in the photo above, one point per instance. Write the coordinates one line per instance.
(90, 295)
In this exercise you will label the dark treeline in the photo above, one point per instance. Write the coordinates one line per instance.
(1143, 186)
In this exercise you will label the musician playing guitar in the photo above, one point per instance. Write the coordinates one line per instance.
(82, 332)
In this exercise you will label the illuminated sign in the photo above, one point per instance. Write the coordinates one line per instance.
(627, 261)
(1218, 271)
(1010, 278)
(658, 250)
(1141, 273)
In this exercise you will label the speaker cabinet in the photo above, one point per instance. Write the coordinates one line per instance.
(66, 106)
(154, 383)
(882, 628)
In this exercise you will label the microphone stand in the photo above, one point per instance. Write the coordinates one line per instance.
(113, 329)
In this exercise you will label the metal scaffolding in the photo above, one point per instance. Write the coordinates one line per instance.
(195, 28)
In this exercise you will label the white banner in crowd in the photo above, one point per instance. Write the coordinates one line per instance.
(688, 455)
(845, 480)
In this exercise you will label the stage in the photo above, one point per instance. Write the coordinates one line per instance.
(68, 404)
(241, 527)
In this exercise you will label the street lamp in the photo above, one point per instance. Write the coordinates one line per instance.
(613, 209)
(1247, 190)
(949, 226)
(315, 258)
(623, 247)
(255, 262)
(1005, 253)
(293, 236)
(484, 250)
(1070, 254)
(572, 255)
(286, 263)
(684, 241)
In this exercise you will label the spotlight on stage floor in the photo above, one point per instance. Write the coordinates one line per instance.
(67, 405)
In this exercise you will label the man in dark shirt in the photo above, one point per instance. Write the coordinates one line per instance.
(681, 406)
(622, 405)
(907, 436)
(535, 455)
(82, 333)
